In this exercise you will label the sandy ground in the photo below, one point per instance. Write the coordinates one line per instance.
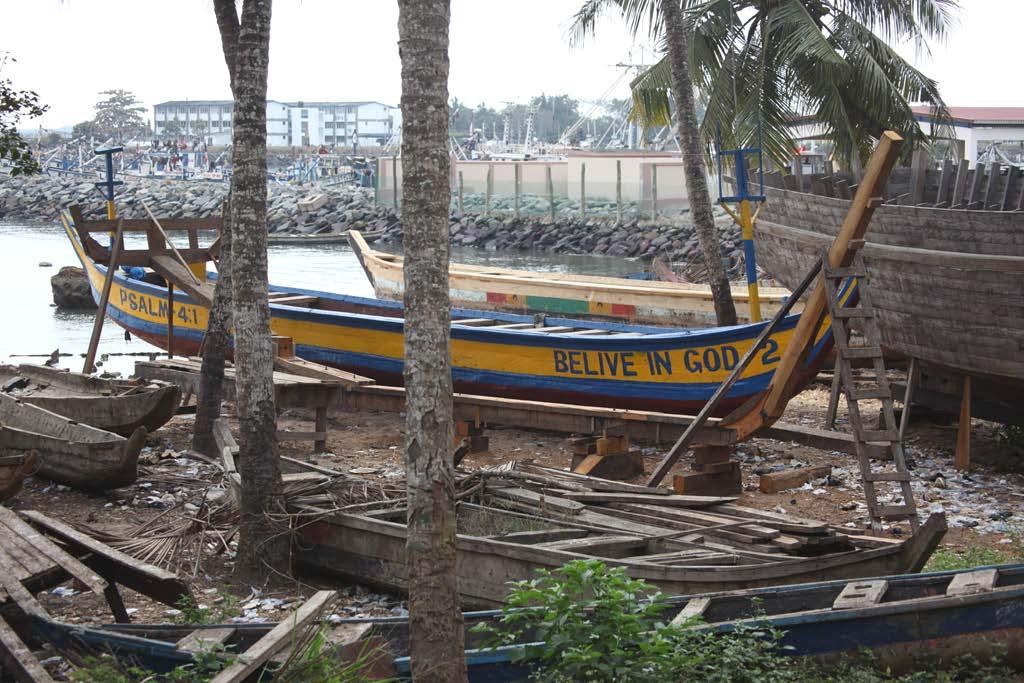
(370, 445)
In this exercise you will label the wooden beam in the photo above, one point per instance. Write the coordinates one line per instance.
(945, 178)
(101, 310)
(183, 278)
(112, 564)
(918, 174)
(958, 200)
(773, 482)
(17, 659)
(962, 459)
(168, 243)
(277, 639)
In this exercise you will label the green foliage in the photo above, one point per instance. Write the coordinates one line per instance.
(85, 129)
(107, 669)
(317, 661)
(553, 115)
(224, 606)
(199, 128)
(764, 63)
(173, 128)
(119, 115)
(865, 668)
(596, 623)
(946, 559)
(15, 104)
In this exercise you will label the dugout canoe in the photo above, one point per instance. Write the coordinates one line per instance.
(13, 470)
(947, 286)
(493, 353)
(651, 302)
(114, 405)
(69, 453)
(520, 517)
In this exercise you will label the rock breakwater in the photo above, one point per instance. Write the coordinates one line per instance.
(347, 207)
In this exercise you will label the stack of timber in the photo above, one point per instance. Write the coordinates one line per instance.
(521, 517)
(38, 553)
(68, 452)
(651, 302)
(115, 405)
(899, 619)
(945, 255)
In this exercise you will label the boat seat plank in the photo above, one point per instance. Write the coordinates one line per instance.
(515, 326)
(597, 545)
(694, 609)
(857, 594)
(674, 500)
(203, 639)
(581, 333)
(539, 499)
(475, 322)
(554, 329)
(969, 583)
(296, 300)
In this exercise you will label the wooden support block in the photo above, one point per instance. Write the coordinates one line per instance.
(694, 609)
(857, 594)
(616, 466)
(969, 583)
(284, 347)
(203, 639)
(709, 455)
(788, 479)
(722, 483)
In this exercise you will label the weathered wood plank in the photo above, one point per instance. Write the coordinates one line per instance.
(969, 583)
(773, 482)
(278, 638)
(857, 594)
(17, 659)
(670, 500)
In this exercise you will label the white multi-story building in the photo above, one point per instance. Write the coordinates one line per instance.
(288, 124)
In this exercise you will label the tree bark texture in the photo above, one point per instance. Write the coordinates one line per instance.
(264, 542)
(215, 348)
(697, 192)
(437, 645)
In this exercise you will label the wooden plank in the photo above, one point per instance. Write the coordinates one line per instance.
(957, 200)
(167, 244)
(203, 639)
(182, 278)
(945, 178)
(113, 565)
(299, 300)
(976, 183)
(918, 175)
(602, 545)
(101, 310)
(68, 563)
(693, 610)
(9, 581)
(539, 499)
(1011, 178)
(991, 184)
(670, 500)
(969, 583)
(857, 594)
(17, 659)
(773, 482)
(143, 224)
(305, 368)
(278, 638)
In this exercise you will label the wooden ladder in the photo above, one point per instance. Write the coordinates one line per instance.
(867, 441)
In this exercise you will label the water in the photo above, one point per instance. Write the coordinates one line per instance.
(35, 327)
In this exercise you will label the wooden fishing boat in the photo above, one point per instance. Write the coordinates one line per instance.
(13, 470)
(69, 453)
(493, 353)
(947, 285)
(119, 406)
(901, 620)
(651, 302)
(521, 517)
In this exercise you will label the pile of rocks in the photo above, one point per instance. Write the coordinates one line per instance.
(343, 206)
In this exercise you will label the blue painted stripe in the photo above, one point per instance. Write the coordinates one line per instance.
(750, 260)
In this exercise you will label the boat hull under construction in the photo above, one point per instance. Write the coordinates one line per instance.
(946, 287)
(498, 354)
(504, 289)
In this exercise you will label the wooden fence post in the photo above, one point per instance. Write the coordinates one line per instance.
(490, 188)
(515, 188)
(551, 191)
(618, 191)
(116, 244)
(583, 190)
(654, 191)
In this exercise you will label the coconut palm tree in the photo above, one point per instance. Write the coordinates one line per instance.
(667, 14)
(435, 622)
(767, 62)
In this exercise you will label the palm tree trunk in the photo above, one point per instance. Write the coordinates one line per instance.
(215, 346)
(435, 622)
(263, 543)
(693, 162)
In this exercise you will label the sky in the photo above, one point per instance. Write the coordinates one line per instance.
(501, 51)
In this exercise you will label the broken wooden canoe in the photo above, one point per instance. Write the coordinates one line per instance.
(511, 525)
(13, 470)
(504, 289)
(901, 620)
(69, 453)
(115, 405)
(561, 360)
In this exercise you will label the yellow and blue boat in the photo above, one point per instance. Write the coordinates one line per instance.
(555, 359)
